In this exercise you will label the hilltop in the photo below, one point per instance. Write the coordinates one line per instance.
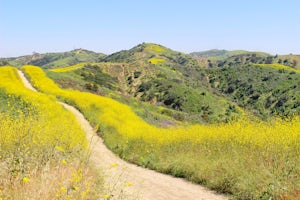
(220, 58)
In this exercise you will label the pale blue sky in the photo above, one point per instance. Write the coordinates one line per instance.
(108, 26)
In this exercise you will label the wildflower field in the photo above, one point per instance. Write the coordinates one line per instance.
(43, 150)
(279, 67)
(70, 68)
(156, 61)
(247, 159)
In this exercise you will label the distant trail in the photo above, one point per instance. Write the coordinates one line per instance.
(131, 181)
(25, 81)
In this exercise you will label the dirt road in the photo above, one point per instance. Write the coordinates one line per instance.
(128, 181)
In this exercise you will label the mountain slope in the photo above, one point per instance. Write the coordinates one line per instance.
(217, 54)
(162, 76)
(52, 60)
(211, 86)
(263, 90)
(147, 183)
(221, 58)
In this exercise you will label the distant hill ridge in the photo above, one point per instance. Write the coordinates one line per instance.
(209, 86)
(52, 60)
(63, 59)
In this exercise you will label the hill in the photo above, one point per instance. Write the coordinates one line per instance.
(157, 75)
(216, 54)
(51, 60)
(169, 88)
(203, 87)
(220, 58)
(231, 158)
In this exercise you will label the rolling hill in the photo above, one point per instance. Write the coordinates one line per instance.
(52, 60)
(179, 114)
(202, 87)
(220, 58)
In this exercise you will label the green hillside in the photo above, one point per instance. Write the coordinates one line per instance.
(203, 87)
(160, 76)
(290, 60)
(51, 60)
(213, 119)
(264, 91)
(221, 58)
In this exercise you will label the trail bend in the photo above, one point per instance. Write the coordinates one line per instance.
(128, 181)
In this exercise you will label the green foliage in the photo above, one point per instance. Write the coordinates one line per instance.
(176, 83)
(51, 60)
(216, 54)
(223, 58)
(264, 91)
(160, 76)
(182, 98)
(95, 75)
(12, 105)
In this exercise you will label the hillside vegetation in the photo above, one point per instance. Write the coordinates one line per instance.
(222, 58)
(157, 75)
(216, 54)
(195, 88)
(248, 159)
(265, 90)
(43, 151)
(225, 119)
(50, 60)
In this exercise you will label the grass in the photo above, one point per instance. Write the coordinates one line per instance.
(68, 69)
(279, 67)
(156, 61)
(43, 151)
(246, 159)
(262, 90)
(155, 48)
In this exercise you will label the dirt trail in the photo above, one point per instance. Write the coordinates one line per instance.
(25, 81)
(128, 181)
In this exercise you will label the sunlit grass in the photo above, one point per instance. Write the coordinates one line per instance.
(69, 68)
(156, 61)
(279, 67)
(155, 48)
(41, 145)
(248, 159)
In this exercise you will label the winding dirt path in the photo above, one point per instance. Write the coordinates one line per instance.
(128, 181)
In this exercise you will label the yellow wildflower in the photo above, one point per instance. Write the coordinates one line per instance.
(63, 189)
(107, 196)
(59, 148)
(128, 184)
(25, 179)
(64, 162)
(114, 165)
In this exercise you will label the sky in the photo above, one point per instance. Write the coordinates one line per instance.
(108, 26)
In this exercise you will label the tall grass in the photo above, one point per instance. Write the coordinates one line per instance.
(43, 150)
(247, 159)
(279, 67)
(70, 68)
(155, 48)
(156, 61)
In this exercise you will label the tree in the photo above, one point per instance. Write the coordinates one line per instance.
(279, 61)
(294, 63)
(269, 60)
